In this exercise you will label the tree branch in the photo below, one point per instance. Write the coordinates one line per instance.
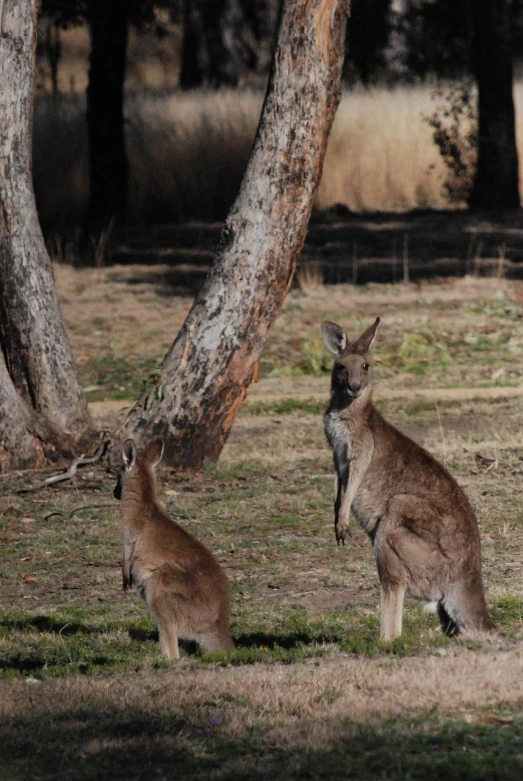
(70, 471)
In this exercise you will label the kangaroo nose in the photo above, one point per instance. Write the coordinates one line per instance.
(354, 386)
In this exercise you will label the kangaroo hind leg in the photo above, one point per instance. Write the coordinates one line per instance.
(159, 602)
(168, 631)
(392, 598)
(169, 641)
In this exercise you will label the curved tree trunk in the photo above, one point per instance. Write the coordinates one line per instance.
(206, 372)
(495, 184)
(43, 413)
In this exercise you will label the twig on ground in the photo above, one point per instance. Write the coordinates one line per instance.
(69, 472)
(94, 507)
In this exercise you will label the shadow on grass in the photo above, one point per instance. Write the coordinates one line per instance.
(108, 741)
(52, 624)
(286, 641)
(50, 644)
(55, 646)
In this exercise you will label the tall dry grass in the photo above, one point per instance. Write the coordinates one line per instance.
(381, 156)
(188, 153)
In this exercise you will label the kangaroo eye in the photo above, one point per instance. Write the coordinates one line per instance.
(365, 367)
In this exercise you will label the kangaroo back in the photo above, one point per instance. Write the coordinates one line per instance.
(182, 583)
(424, 531)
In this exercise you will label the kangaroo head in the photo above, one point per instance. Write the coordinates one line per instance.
(351, 371)
(144, 461)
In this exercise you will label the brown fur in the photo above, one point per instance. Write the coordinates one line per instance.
(424, 532)
(182, 583)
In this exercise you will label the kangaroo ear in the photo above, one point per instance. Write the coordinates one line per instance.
(334, 337)
(129, 453)
(154, 452)
(365, 341)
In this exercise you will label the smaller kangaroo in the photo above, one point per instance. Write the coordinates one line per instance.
(423, 530)
(183, 585)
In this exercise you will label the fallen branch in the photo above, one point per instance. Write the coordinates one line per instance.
(69, 472)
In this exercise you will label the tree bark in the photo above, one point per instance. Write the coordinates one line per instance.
(108, 165)
(43, 413)
(206, 372)
(495, 183)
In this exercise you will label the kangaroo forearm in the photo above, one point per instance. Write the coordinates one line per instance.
(345, 505)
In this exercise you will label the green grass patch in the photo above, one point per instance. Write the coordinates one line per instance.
(508, 611)
(75, 641)
(287, 407)
(452, 751)
(297, 637)
(301, 357)
(68, 642)
(112, 377)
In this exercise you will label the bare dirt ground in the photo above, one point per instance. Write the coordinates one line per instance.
(310, 692)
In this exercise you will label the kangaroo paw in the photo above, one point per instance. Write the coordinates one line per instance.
(341, 531)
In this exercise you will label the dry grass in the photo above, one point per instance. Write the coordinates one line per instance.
(448, 334)
(84, 693)
(281, 696)
(282, 722)
(188, 153)
(380, 155)
(152, 62)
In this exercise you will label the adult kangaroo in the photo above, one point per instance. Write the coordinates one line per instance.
(423, 530)
(183, 585)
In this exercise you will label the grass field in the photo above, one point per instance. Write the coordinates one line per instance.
(310, 693)
(187, 153)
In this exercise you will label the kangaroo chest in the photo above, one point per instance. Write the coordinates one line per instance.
(339, 436)
(352, 448)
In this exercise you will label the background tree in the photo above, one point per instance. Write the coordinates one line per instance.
(192, 71)
(437, 39)
(43, 413)
(225, 39)
(496, 184)
(206, 372)
(368, 35)
(479, 38)
(108, 24)
(108, 165)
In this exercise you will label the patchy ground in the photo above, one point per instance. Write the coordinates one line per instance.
(343, 246)
(310, 691)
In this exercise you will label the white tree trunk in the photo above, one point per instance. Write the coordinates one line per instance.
(43, 413)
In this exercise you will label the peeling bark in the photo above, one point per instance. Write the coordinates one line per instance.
(43, 413)
(206, 372)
